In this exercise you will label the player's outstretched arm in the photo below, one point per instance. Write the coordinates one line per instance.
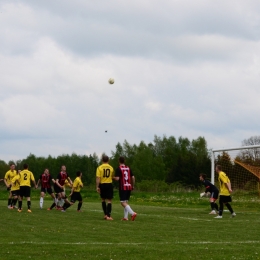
(202, 194)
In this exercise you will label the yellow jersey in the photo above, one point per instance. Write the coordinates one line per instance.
(105, 172)
(77, 184)
(9, 176)
(26, 178)
(223, 179)
(16, 182)
(66, 183)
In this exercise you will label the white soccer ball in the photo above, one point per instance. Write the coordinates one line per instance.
(111, 81)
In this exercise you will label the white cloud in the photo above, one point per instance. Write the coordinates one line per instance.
(181, 68)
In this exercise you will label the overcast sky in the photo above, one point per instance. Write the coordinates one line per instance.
(181, 68)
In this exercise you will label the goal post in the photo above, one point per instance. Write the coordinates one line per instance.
(241, 164)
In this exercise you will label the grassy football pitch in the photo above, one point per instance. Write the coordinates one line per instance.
(178, 231)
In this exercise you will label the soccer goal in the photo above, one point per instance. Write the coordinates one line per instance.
(242, 165)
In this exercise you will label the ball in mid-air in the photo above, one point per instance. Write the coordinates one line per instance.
(111, 81)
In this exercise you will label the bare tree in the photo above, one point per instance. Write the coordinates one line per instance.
(252, 154)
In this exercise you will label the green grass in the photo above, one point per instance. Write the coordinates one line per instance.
(168, 226)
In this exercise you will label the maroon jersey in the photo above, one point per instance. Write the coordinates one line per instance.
(62, 177)
(45, 180)
(125, 176)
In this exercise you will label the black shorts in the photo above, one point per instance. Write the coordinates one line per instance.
(106, 191)
(224, 199)
(25, 191)
(45, 190)
(57, 189)
(76, 196)
(124, 195)
(214, 195)
(15, 192)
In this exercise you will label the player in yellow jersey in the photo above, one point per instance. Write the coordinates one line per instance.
(104, 186)
(15, 188)
(8, 182)
(26, 177)
(75, 192)
(224, 194)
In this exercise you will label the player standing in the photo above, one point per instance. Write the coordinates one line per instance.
(59, 183)
(45, 180)
(104, 186)
(8, 180)
(126, 184)
(15, 188)
(225, 190)
(25, 177)
(213, 193)
(75, 192)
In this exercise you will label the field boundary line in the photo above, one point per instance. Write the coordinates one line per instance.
(109, 243)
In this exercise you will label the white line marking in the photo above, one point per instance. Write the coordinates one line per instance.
(197, 219)
(162, 243)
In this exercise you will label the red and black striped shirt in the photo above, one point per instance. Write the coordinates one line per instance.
(45, 180)
(62, 177)
(125, 177)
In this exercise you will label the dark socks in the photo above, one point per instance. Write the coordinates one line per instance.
(221, 206)
(109, 209)
(29, 204)
(9, 202)
(14, 202)
(104, 207)
(79, 205)
(229, 208)
(53, 205)
(20, 204)
(66, 205)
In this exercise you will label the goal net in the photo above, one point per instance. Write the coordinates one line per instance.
(242, 165)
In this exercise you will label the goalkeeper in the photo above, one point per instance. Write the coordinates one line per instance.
(213, 190)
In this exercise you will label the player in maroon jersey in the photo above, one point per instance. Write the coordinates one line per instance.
(126, 183)
(45, 179)
(59, 183)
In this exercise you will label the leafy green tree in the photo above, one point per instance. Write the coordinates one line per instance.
(4, 167)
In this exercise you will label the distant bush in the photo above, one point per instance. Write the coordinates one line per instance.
(161, 186)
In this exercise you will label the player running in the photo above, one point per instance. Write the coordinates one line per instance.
(126, 183)
(75, 193)
(45, 179)
(213, 193)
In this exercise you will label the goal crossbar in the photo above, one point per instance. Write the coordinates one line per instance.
(224, 150)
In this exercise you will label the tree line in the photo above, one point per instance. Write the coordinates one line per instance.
(165, 159)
